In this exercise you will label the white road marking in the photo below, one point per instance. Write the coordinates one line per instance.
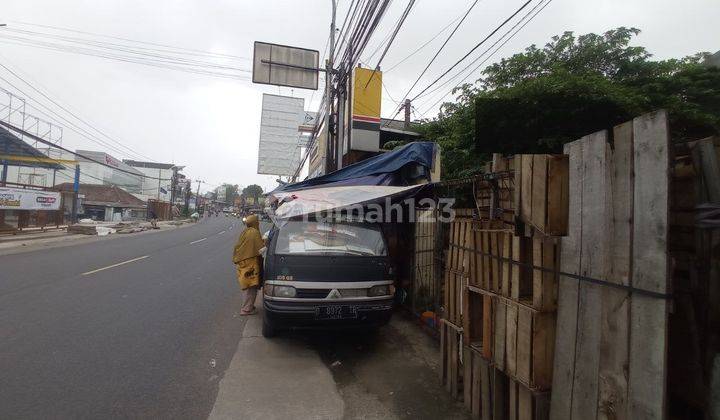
(199, 240)
(115, 265)
(222, 232)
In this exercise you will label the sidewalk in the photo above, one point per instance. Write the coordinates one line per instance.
(49, 237)
(335, 375)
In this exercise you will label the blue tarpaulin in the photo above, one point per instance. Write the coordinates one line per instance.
(383, 169)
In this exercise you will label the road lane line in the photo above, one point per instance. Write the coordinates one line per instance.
(222, 232)
(115, 265)
(199, 240)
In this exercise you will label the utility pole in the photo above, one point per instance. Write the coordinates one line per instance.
(407, 113)
(197, 197)
(76, 189)
(329, 139)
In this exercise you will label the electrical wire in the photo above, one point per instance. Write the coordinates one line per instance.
(88, 135)
(432, 60)
(542, 5)
(399, 25)
(80, 155)
(425, 44)
(165, 47)
(478, 45)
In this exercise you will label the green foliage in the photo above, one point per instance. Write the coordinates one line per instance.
(252, 190)
(539, 99)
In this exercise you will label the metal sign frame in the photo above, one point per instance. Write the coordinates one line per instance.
(275, 73)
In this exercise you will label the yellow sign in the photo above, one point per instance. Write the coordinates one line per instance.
(367, 95)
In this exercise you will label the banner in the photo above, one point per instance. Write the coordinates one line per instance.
(21, 199)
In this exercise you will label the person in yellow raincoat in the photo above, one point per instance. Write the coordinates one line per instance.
(248, 261)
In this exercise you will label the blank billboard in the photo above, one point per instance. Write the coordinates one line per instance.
(279, 151)
(281, 65)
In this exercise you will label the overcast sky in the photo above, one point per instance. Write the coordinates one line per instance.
(211, 125)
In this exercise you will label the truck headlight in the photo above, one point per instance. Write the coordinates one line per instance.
(284, 291)
(380, 290)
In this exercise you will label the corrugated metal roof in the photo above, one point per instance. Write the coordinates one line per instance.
(108, 195)
(10, 144)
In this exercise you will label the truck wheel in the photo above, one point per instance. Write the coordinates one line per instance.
(268, 331)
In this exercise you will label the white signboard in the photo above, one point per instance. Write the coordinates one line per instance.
(282, 65)
(21, 199)
(279, 152)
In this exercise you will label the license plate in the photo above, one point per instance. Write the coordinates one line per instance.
(336, 312)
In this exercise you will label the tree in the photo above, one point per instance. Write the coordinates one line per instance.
(252, 190)
(537, 100)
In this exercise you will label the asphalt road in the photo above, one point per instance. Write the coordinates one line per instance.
(84, 337)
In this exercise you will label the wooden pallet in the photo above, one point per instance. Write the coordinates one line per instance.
(517, 338)
(490, 394)
(542, 192)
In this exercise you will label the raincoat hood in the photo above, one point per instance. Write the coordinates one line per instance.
(252, 221)
(250, 241)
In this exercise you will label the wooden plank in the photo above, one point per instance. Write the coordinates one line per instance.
(512, 400)
(487, 327)
(612, 385)
(454, 373)
(506, 266)
(564, 360)
(442, 373)
(708, 159)
(557, 195)
(499, 394)
(594, 249)
(524, 345)
(517, 186)
(500, 323)
(467, 377)
(494, 277)
(487, 278)
(648, 322)
(476, 385)
(543, 349)
(516, 269)
(511, 340)
(525, 403)
(544, 282)
(539, 191)
(448, 353)
(485, 405)
(526, 188)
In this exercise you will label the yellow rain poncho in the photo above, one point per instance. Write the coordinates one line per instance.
(246, 256)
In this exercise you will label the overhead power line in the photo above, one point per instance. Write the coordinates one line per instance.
(432, 60)
(425, 44)
(165, 47)
(478, 45)
(88, 135)
(80, 155)
(394, 34)
(521, 23)
(124, 53)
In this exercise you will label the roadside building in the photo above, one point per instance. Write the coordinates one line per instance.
(390, 131)
(26, 201)
(105, 202)
(157, 183)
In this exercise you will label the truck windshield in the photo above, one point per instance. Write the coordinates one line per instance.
(321, 238)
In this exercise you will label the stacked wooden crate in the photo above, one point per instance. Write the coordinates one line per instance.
(508, 287)
(457, 270)
(511, 297)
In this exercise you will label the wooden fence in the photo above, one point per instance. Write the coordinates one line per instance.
(560, 280)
